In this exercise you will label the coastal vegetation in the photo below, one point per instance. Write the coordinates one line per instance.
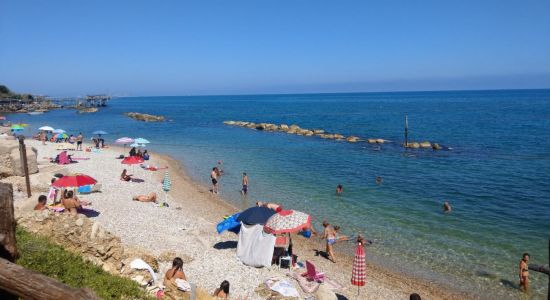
(41, 255)
(6, 93)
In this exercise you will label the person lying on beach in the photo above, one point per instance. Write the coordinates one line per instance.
(330, 235)
(71, 203)
(447, 207)
(151, 197)
(223, 291)
(41, 205)
(151, 167)
(274, 206)
(125, 176)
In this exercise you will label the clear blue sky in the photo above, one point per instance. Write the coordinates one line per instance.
(272, 46)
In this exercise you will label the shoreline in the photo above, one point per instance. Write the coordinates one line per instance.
(192, 200)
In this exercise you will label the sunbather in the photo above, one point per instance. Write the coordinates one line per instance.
(71, 203)
(222, 291)
(274, 206)
(151, 197)
(125, 176)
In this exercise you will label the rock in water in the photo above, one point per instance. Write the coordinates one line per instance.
(144, 117)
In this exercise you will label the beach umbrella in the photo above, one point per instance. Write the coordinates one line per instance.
(46, 128)
(358, 272)
(132, 160)
(124, 141)
(137, 145)
(2, 118)
(17, 127)
(287, 221)
(74, 181)
(58, 131)
(60, 136)
(166, 184)
(141, 141)
(99, 132)
(22, 124)
(255, 215)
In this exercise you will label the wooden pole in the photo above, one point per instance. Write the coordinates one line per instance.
(8, 243)
(28, 284)
(406, 131)
(24, 165)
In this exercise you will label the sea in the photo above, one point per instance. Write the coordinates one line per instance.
(494, 170)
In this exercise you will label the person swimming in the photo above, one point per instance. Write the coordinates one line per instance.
(339, 189)
(447, 207)
(379, 180)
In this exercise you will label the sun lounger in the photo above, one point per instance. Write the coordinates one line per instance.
(312, 274)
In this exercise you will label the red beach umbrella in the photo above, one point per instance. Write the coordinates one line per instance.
(287, 221)
(358, 273)
(132, 160)
(74, 181)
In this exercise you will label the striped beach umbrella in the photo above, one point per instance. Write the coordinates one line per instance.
(358, 273)
(166, 183)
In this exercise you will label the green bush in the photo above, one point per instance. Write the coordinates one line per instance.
(39, 254)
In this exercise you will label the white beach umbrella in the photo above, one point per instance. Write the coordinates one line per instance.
(141, 141)
(46, 128)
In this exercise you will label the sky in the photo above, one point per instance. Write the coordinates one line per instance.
(205, 47)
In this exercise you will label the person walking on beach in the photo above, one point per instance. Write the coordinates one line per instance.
(524, 272)
(245, 184)
(214, 177)
(330, 235)
(79, 139)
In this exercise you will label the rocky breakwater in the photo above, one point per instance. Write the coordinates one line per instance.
(90, 240)
(423, 145)
(297, 130)
(87, 110)
(10, 159)
(144, 117)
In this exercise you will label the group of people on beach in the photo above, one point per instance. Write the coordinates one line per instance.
(142, 154)
(65, 199)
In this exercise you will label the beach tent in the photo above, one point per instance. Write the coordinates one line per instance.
(255, 247)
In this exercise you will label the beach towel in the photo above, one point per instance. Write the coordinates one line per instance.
(255, 247)
(282, 287)
(85, 189)
(141, 265)
(307, 286)
(230, 224)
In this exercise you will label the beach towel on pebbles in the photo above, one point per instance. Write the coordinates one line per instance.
(255, 247)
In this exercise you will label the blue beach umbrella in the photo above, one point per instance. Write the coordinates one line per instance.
(255, 215)
(137, 145)
(141, 141)
(99, 132)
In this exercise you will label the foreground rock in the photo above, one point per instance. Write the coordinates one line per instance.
(10, 159)
(144, 117)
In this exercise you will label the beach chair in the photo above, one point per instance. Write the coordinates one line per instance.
(312, 274)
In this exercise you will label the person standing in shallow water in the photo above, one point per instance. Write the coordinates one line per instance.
(447, 207)
(524, 272)
(214, 177)
(245, 184)
(339, 189)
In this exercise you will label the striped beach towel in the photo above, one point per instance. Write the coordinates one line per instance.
(358, 274)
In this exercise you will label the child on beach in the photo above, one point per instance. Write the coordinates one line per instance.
(41, 205)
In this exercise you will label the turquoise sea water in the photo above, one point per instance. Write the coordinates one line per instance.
(497, 175)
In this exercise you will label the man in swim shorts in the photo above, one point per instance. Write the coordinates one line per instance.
(214, 177)
(245, 184)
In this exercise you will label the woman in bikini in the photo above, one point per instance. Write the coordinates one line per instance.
(71, 203)
(330, 235)
(524, 272)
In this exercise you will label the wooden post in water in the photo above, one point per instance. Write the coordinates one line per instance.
(406, 131)
(24, 165)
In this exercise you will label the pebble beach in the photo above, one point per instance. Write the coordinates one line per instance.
(187, 227)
